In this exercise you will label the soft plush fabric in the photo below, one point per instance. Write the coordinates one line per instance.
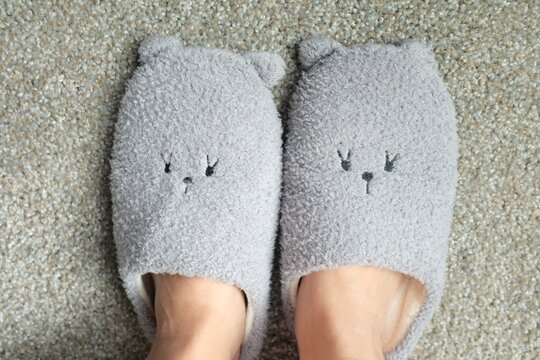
(196, 171)
(369, 168)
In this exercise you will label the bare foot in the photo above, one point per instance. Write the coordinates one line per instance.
(197, 319)
(354, 312)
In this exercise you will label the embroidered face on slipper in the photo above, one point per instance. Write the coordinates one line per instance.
(197, 132)
(370, 135)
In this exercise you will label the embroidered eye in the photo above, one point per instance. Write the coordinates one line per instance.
(345, 162)
(209, 168)
(167, 163)
(389, 164)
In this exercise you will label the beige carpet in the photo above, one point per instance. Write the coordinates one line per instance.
(63, 69)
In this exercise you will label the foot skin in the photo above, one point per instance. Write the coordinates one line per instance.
(197, 319)
(354, 312)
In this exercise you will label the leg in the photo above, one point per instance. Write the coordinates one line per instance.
(197, 318)
(354, 312)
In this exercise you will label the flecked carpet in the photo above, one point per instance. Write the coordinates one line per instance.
(63, 68)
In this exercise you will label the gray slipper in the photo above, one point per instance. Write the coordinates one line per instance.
(196, 174)
(369, 168)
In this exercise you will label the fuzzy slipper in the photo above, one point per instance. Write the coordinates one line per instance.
(196, 174)
(369, 168)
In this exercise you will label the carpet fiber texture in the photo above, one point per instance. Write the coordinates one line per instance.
(63, 70)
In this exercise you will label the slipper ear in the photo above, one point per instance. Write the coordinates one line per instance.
(270, 67)
(153, 45)
(420, 51)
(315, 48)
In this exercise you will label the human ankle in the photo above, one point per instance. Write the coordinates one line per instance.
(312, 346)
(197, 318)
(198, 345)
(322, 334)
(361, 311)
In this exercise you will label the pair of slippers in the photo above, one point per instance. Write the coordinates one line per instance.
(369, 171)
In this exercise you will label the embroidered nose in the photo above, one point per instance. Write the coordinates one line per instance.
(367, 176)
(187, 180)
